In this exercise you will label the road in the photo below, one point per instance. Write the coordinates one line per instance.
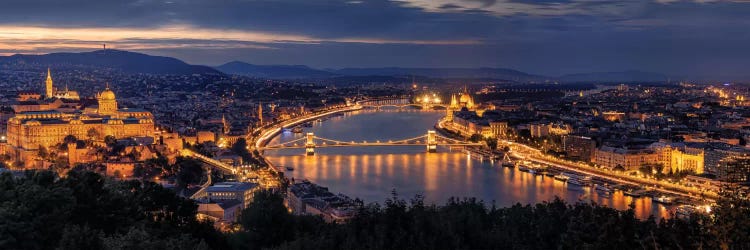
(525, 152)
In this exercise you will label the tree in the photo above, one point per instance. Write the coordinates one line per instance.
(69, 139)
(92, 134)
(266, 222)
(240, 148)
(110, 140)
(476, 138)
(619, 168)
(491, 143)
(42, 153)
(188, 171)
(87, 211)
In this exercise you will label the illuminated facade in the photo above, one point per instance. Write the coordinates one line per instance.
(47, 125)
(467, 124)
(676, 158)
(51, 92)
(611, 158)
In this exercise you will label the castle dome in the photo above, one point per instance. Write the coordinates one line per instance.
(107, 94)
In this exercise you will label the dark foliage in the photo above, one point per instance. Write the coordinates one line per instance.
(86, 211)
(471, 224)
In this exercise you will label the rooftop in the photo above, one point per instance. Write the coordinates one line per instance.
(231, 187)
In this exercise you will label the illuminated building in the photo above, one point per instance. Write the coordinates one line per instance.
(611, 158)
(46, 123)
(466, 123)
(734, 169)
(678, 157)
(541, 130)
(52, 92)
(239, 191)
(579, 147)
(48, 85)
(613, 116)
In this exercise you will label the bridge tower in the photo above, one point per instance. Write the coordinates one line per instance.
(310, 144)
(431, 141)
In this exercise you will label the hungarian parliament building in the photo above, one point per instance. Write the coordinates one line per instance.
(45, 120)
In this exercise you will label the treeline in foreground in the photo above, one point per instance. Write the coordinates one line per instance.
(87, 211)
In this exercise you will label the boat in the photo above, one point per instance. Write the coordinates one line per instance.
(297, 130)
(587, 181)
(290, 168)
(663, 199)
(307, 125)
(523, 168)
(634, 192)
(549, 173)
(539, 171)
(561, 177)
(507, 163)
(603, 190)
(604, 194)
(575, 181)
(533, 171)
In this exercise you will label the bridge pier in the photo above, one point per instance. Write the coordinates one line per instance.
(431, 141)
(310, 145)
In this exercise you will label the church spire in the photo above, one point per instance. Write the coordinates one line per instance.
(260, 112)
(48, 85)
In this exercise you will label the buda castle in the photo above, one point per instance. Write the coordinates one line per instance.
(44, 121)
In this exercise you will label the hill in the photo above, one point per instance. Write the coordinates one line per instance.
(272, 71)
(619, 76)
(125, 61)
(491, 73)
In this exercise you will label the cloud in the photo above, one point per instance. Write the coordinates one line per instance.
(30, 39)
(537, 35)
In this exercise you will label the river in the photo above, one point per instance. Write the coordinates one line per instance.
(372, 173)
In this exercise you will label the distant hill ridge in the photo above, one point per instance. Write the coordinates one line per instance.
(272, 71)
(126, 61)
(133, 62)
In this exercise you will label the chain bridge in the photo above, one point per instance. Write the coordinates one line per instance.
(431, 140)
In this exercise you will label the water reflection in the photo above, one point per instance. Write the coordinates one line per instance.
(370, 173)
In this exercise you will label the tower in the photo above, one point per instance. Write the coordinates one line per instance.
(48, 85)
(225, 124)
(260, 112)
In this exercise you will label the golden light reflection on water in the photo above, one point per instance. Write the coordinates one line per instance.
(371, 173)
(439, 176)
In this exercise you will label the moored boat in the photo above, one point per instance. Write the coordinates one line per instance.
(523, 168)
(663, 199)
(575, 181)
(561, 177)
(507, 164)
(297, 130)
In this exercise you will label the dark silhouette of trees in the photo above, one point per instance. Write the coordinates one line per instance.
(472, 224)
(87, 211)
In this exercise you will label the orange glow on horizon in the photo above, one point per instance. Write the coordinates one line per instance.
(37, 39)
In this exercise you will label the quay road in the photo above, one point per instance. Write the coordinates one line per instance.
(522, 151)
(525, 152)
(267, 133)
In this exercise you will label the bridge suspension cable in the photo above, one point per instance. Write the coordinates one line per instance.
(310, 141)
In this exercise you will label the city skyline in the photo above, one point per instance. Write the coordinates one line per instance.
(691, 38)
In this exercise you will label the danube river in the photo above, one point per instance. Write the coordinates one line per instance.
(372, 173)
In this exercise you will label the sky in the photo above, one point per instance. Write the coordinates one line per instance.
(548, 37)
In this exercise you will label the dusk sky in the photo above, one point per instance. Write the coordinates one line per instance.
(540, 37)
